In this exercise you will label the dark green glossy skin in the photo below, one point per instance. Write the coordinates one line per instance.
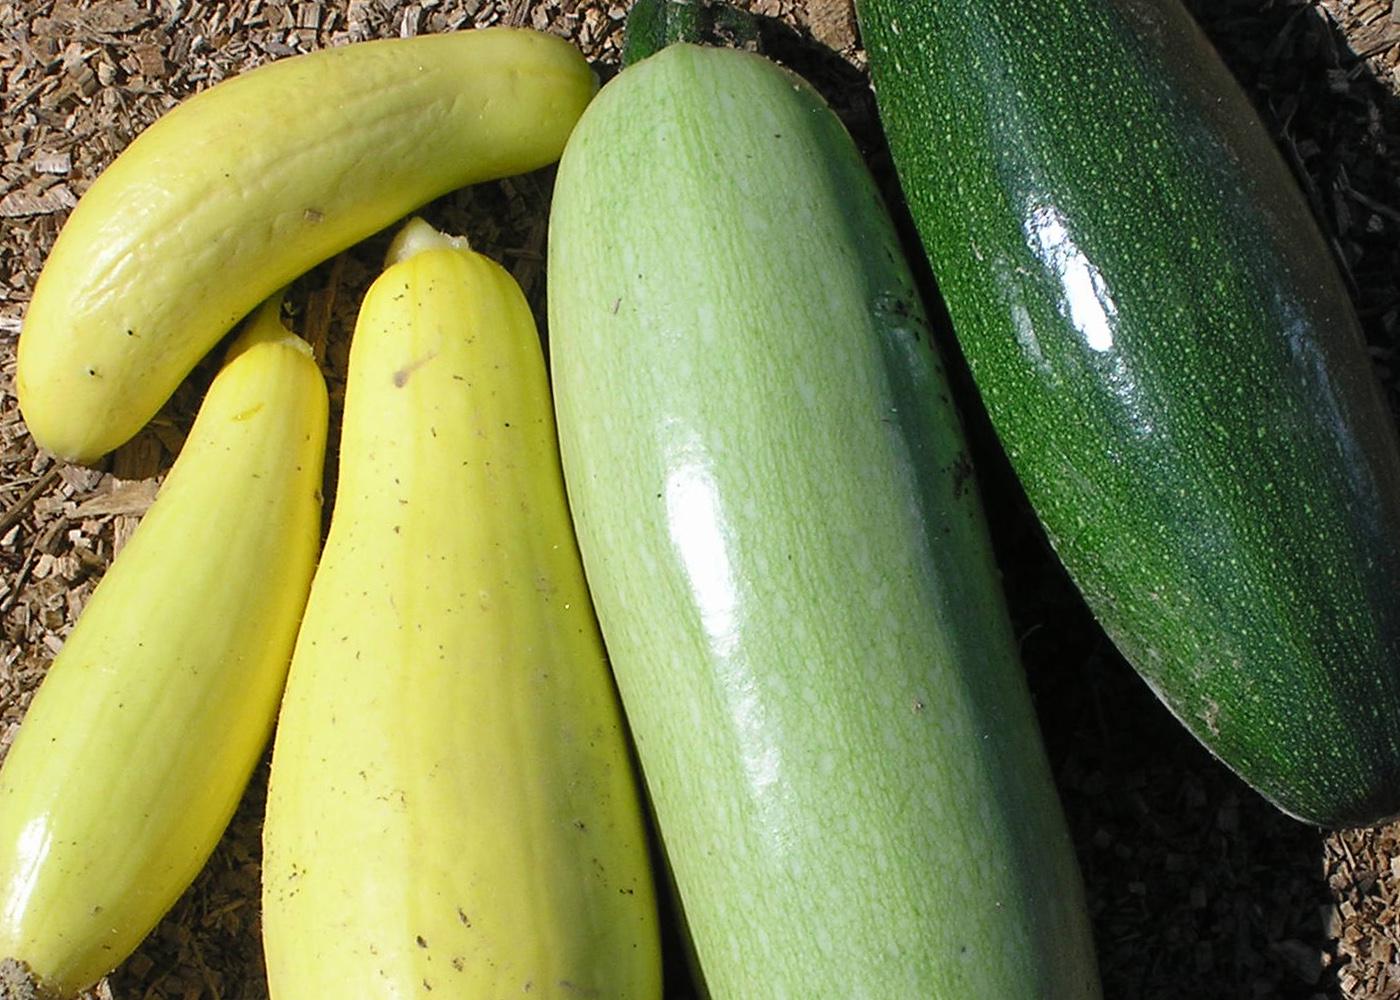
(1173, 366)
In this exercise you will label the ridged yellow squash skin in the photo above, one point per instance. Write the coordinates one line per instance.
(139, 742)
(247, 185)
(452, 811)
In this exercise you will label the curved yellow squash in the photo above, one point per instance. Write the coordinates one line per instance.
(252, 182)
(140, 740)
(452, 811)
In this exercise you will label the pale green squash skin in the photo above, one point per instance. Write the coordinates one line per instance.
(789, 560)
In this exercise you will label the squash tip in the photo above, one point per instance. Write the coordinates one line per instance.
(417, 236)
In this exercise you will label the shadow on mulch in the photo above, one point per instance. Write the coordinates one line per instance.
(1197, 886)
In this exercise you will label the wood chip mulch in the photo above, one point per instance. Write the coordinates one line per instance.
(1197, 888)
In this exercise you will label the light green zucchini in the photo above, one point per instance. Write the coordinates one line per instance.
(789, 559)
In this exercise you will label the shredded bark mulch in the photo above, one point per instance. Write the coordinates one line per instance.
(1197, 887)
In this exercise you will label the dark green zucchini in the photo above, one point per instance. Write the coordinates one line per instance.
(1172, 363)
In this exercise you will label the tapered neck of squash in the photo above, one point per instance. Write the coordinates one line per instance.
(417, 236)
(265, 326)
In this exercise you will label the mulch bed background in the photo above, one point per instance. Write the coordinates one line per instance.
(1197, 887)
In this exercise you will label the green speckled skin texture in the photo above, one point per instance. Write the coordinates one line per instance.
(1171, 361)
(788, 558)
